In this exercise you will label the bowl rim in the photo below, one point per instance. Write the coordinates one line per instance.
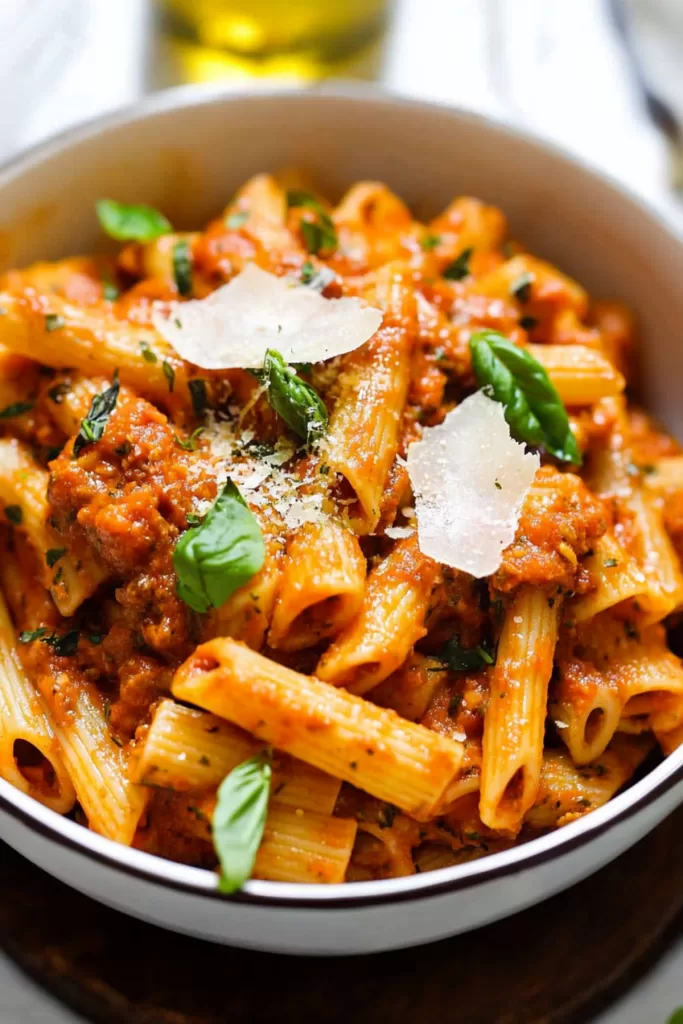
(182, 878)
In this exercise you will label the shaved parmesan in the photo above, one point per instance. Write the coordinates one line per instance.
(470, 479)
(235, 325)
(399, 532)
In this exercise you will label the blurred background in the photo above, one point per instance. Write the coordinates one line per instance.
(602, 77)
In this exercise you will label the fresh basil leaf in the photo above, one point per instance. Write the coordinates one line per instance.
(533, 408)
(14, 513)
(101, 408)
(236, 220)
(676, 1017)
(130, 222)
(219, 556)
(239, 819)
(460, 267)
(52, 556)
(182, 267)
(319, 234)
(521, 287)
(191, 444)
(198, 395)
(16, 409)
(169, 374)
(299, 405)
(466, 659)
(29, 635)
(54, 322)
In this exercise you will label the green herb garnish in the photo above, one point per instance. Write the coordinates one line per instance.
(191, 444)
(169, 374)
(16, 409)
(29, 635)
(239, 819)
(198, 395)
(52, 556)
(148, 354)
(299, 405)
(131, 222)
(466, 659)
(14, 513)
(53, 322)
(318, 234)
(101, 408)
(109, 291)
(318, 280)
(533, 408)
(460, 267)
(64, 646)
(430, 241)
(182, 267)
(521, 286)
(221, 554)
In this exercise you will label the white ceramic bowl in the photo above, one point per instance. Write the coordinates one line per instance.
(186, 151)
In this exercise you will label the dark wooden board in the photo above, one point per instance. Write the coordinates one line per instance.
(552, 964)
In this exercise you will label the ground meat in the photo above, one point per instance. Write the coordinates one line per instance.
(560, 522)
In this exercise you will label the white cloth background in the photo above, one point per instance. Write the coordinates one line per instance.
(555, 66)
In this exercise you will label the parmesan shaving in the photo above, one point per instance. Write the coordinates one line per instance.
(235, 325)
(399, 532)
(470, 479)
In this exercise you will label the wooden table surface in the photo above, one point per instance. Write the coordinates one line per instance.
(552, 964)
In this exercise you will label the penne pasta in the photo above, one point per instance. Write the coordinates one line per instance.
(322, 586)
(217, 601)
(92, 340)
(30, 756)
(581, 375)
(189, 750)
(515, 720)
(23, 488)
(328, 728)
(568, 791)
(362, 440)
(390, 623)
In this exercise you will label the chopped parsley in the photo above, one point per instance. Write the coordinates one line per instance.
(191, 444)
(101, 408)
(430, 241)
(148, 353)
(460, 267)
(53, 322)
(16, 409)
(198, 395)
(169, 374)
(521, 287)
(52, 556)
(182, 267)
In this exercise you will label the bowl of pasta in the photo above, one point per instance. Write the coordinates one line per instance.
(339, 517)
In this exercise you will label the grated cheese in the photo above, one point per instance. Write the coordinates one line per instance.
(470, 479)
(264, 482)
(235, 325)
